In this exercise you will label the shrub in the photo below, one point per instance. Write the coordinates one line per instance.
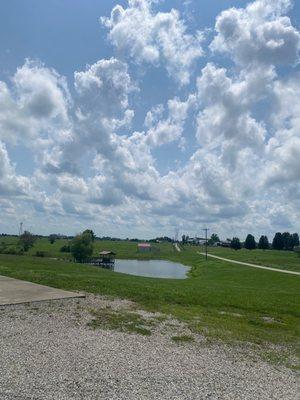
(41, 253)
(13, 250)
(65, 248)
(27, 240)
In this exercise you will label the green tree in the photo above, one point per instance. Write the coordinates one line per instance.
(288, 241)
(52, 238)
(89, 231)
(235, 243)
(295, 239)
(27, 240)
(250, 242)
(82, 246)
(263, 243)
(213, 239)
(277, 243)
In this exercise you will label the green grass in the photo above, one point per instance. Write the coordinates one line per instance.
(220, 300)
(269, 258)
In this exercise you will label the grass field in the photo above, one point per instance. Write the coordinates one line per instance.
(269, 258)
(221, 300)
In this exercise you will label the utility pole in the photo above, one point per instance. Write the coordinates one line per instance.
(205, 230)
(21, 229)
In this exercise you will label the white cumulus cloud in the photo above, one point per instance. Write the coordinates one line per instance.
(153, 37)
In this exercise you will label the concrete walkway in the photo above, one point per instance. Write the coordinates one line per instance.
(15, 291)
(251, 265)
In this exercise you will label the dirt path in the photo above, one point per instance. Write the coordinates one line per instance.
(177, 247)
(252, 265)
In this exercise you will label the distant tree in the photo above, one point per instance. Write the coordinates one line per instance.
(27, 240)
(263, 243)
(235, 243)
(250, 242)
(296, 242)
(89, 231)
(52, 238)
(82, 246)
(183, 239)
(213, 239)
(288, 241)
(278, 243)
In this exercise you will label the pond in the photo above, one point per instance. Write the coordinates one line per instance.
(151, 268)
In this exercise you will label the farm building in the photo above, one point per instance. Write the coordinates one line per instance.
(144, 247)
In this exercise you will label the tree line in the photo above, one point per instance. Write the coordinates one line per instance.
(281, 241)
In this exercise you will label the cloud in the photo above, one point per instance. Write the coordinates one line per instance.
(10, 183)
(163, 131)
(37, 101)
(258, 34)
(153, 38)
(283, 150)
(225, 119)
(104, 87)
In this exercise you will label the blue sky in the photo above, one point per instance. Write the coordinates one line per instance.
(136, 118)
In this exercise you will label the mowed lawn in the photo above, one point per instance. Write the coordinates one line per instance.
(269, 258)
(221, 300)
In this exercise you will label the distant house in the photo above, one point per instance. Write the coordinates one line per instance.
(144, 247)
(223, 243)
(197, 241)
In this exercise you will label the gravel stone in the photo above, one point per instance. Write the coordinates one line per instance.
(47, 351)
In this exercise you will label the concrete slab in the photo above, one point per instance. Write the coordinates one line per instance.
(15, 291)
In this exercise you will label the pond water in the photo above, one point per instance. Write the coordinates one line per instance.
(151, 268)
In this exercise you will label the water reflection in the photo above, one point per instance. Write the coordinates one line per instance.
(149, 268)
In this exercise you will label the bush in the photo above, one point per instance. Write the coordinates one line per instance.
(41, 253)
(65, 248)
(13, 250)
(27, 240)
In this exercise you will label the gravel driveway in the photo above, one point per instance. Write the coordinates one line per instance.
(47, 351)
